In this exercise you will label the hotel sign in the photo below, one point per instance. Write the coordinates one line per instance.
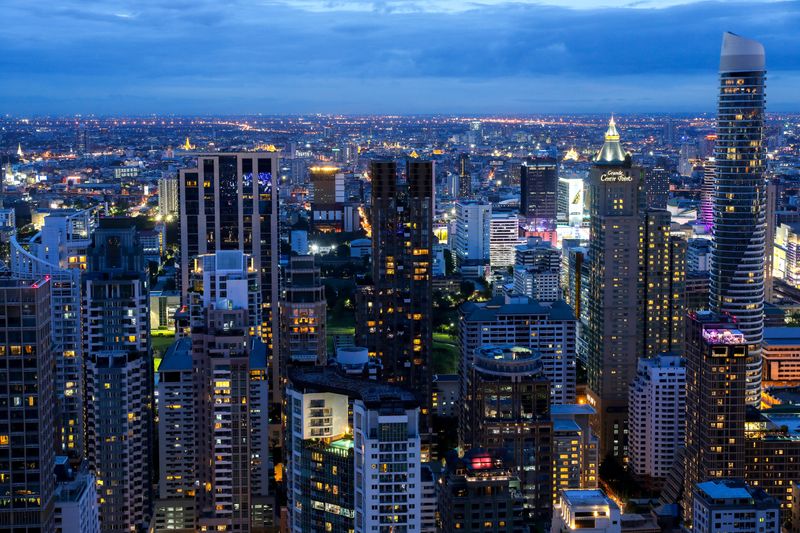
(616, 175)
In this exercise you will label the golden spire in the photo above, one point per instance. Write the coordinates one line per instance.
(611, 152)
(187, 145)
(20, 153)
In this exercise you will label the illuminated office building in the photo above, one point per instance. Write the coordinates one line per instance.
(327, 208)
(464, 177)
(737, 259)
(228, 202)
(538, 188)
(27, 428)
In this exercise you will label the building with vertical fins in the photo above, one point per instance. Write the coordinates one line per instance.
(394, 315)
(229, 202)
(119, 376)
(538, 188)
(27, 427)
(464, 177)
(737, 259)
(615, 330)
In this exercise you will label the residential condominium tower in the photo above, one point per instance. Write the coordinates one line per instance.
(119, 376)
(737, 258)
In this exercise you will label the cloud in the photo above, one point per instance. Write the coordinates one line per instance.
(355, 55)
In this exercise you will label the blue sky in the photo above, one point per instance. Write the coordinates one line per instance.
(382, 56)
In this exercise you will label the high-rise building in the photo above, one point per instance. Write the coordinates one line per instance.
(472, 233)
(224, 276)
(75, 499)
(303, 313)
(575, 448)
(327, 208)
(519, 321)
(737, 259)
(119, 376)
(503, 239)
(28, 428)
(656, 187)
(615, 329)
(394, 315)
(507, 405)
(538, 188)
(480, 492)
(464, 177)
(698, 255)
(537, 270)
(168, 204)
(707, 194)
(663, 277)
(58, 250)
(353, 454)
(716, 363)
(729, 505)
(229, 202)
(570, 201)
(657, 422)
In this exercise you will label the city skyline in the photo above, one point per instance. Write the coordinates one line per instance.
(383, 57)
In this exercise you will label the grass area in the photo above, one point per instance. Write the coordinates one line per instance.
(445, 354)
(160, 344)
(339, 324)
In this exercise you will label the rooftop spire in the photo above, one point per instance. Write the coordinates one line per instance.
(612, 151)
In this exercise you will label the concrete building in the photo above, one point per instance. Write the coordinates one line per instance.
(586, 511)
(575, 448)
(394, 316)
(303, 314)
(58, 250)
(570, 201)
(781, 354)
(75, 500)
(698, 255)
(228, 202)
(728, 506)
(27, 428)
(327, 207)
(519, 321)
(354, 446)
(537, 270)
(507, 405)
(657, 423)
(480, 492)
(716, 364)
(168, 200)
(119, 376)
(503, 239)
(471, 240)
(538, 188)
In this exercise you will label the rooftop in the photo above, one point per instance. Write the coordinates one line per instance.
(372, 393)
(490, 310)
(783, 336)
(587, 497)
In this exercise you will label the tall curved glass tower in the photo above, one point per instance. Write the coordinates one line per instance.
(737, 260)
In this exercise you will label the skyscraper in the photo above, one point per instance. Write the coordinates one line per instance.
(737, 259)
(303, 313)
(229, 202)
(615, 330)
(464, 177)
(58, 250)
(473, 224)
(507, 406)
(538, 187)
(327, 209)
(716, 353)
(394, 319)
(27, 427)
(119, 376)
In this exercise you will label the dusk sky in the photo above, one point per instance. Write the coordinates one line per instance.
(383, 56)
